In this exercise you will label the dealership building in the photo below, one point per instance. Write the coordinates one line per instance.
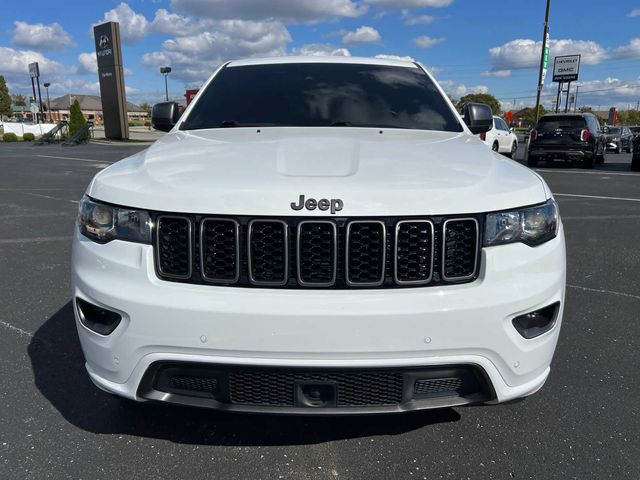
(91, 107)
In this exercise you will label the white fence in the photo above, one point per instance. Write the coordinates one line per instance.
(21, 128)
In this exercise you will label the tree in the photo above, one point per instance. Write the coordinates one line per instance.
(629, 117)
(5, 99)
(76, 120)
(19, 100)
(482, 98)
(146, 107)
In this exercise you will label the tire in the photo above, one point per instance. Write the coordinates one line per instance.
(587, 162)
(532, 162)
(495, 147)
(600, 156)
(514, 149)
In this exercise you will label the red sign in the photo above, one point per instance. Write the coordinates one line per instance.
(190, 94)
(508, 116)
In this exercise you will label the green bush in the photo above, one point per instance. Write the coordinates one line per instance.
(10, 137)
(76, 120)
(147, 123)
(28, 137)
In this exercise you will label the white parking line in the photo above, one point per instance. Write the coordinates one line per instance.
(49, 197)
(595, 172)
(74, 158)
(599, 290)
(597, 197)
(5, 241)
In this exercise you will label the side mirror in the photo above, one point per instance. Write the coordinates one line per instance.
(164, 116)
(478, 117)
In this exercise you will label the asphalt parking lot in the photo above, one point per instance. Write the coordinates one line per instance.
(54, 423)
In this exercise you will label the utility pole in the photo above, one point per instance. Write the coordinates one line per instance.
(575, 100)
(544, 58)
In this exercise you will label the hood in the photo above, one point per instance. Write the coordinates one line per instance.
(249, 171)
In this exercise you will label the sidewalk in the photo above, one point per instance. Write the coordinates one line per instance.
(137, 135)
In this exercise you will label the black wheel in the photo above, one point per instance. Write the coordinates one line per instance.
(635, 162)
(600, 156)
(494, 147)
(514, 149)
(532, 162)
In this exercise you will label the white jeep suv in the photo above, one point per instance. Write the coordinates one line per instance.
(319, 235)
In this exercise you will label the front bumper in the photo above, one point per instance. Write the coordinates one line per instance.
(414, 328)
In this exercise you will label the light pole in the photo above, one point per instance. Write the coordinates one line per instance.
(165, 71)
(543, 60)
(46, 87)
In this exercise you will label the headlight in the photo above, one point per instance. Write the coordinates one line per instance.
(102, 223)
(532, 225)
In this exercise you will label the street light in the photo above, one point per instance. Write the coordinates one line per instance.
(165, 71)
(46, 86)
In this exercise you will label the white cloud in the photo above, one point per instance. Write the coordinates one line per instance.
(629, 51)
(457, 90)
(417, 20)
(193, 58)
(284, 10)
(362, 34)
(405, 58)
(496, 73)
(133, 26)
(41, 37)
(178, 25)
(634, 13)
(16, 63)
(410, 3)
(321, 50)
(525, 53)
(424, 41)
(88, 62)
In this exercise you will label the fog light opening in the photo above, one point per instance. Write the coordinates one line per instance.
(533, 324)
(97, 319)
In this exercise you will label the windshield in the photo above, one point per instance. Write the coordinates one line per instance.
(551, 124)
(635, 129)
(612, 130)
(322, 94)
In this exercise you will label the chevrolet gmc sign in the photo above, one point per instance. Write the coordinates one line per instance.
(566, 68)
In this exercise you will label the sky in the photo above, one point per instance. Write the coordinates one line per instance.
(470, 46)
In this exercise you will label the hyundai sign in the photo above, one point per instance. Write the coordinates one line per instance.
(566, 68)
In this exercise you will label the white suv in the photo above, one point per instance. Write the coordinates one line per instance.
(500, 138)
(319, 235)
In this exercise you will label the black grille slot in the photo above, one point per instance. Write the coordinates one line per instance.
(414, 252)
(195, 384)
(276, 388)
(219, 250)
(174, 245)
(366, 253)
(438, 386)
(460, 249)
(317, 254)
(268, 252)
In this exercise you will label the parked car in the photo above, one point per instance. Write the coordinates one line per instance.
(330, 239)
(569, 137)
(500, 138)
(635, 130)
(635, 158)
(619, 139)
